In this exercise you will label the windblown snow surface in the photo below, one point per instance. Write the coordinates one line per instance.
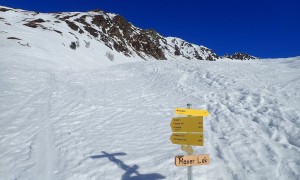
(114, 122)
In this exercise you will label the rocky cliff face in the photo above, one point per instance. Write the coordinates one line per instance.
(116, 33)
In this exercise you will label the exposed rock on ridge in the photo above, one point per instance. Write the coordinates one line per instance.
(240, 56)
(120, 35)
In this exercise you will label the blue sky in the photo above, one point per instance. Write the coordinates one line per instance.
(263, 28)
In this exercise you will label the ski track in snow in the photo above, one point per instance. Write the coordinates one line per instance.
(113, 123)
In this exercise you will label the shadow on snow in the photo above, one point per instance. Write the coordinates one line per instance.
(131, 172)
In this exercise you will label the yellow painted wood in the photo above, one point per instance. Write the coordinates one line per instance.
(188, 149)
(187, 124)
(192, 112)
(187, 139)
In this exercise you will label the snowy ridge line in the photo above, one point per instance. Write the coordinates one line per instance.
(87, 31)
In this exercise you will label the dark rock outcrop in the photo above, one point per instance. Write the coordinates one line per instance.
(35, 23)
(240, 56)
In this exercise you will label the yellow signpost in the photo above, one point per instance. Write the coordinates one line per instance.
(187, 139)
(192, 112)
(187, 124)
(188, 132)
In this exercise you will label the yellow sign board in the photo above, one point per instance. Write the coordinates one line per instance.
(187, 139)
(187, 124)
(192, 112)
(194, 160)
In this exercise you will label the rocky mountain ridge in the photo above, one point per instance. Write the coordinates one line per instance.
(113, 31)
(240, 55)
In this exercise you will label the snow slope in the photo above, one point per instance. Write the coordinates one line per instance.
(112, 121)
(29, 46)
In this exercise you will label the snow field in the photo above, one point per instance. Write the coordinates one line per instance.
(113, 122)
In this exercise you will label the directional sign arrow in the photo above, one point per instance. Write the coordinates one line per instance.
(187, 139)
(187, 124)
(193, 112)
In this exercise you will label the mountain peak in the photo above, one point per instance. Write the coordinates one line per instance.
(112, 30)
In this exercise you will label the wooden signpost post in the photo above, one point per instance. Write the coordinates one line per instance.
(188, 131)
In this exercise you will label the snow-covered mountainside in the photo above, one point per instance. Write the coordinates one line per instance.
(68, 112)
(93, 30)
